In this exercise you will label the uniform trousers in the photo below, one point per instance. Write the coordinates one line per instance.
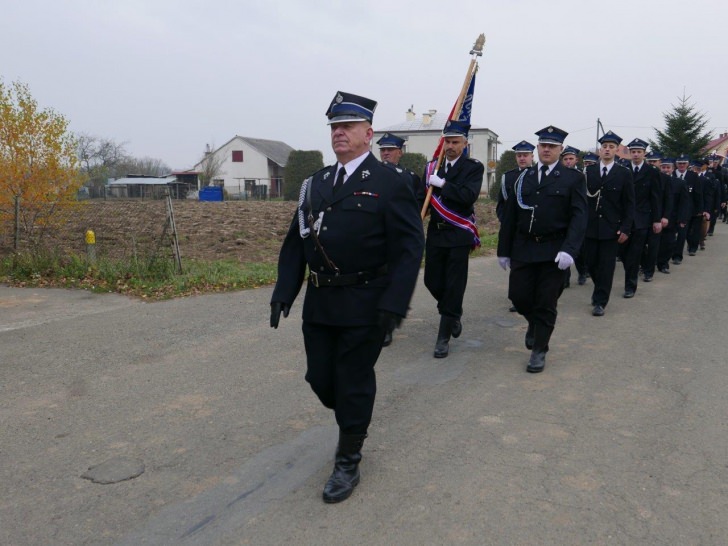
(679, 247)
(534, 289)
(631, 258)
(667, 247)
(601, 255)
(340, 369)
(649, 254)
(446, 276)
(695, 230)
(713, 220)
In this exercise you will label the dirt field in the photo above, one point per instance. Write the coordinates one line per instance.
(246, 231)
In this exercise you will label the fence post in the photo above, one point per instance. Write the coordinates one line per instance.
(175, 239)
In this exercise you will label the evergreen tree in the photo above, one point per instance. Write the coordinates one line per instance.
(684, 131)
(506, 162)
(301, 164)
(415, 162)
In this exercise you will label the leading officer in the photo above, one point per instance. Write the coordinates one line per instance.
(541, 233)
(358, 230)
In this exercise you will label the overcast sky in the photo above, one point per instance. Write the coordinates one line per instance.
(166, 77)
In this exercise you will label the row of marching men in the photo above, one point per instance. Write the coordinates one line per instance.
(640, 212)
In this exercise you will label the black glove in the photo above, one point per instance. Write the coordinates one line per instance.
(276, 307)
(388, 320)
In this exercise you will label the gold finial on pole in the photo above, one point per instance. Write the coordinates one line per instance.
(478, 46)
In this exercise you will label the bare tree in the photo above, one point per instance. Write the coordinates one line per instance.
(144, 165)
(99, 157)
(210, 165)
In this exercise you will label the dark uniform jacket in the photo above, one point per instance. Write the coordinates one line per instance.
(371, 222)
(647, 196)
(711, 192)
(667, 196)
(559, 216)
(459, 194)
(680, 211)
(414, 177)
(508, 180)
(615, 197)
(695, 188)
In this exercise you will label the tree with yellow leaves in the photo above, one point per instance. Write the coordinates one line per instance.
(38, 162)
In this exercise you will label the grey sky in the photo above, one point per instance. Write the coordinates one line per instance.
(167, 77)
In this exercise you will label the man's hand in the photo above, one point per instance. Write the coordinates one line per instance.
(665, 222)
(622, 238)
(436, 181)
(388, 320)
(564, 260)
(504, 262)
(276, 308)
(706, 215)
(657, 227)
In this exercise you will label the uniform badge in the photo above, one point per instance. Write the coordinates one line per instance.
(550, 129)
(339, 98)
(400, 171)
(327, 175)
(364, 174)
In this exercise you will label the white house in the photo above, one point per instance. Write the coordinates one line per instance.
(250, 167)
(423, 133)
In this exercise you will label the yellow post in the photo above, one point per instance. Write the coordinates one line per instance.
(91, 245)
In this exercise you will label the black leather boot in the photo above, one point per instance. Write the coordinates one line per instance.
(442, 345)
(345, 476)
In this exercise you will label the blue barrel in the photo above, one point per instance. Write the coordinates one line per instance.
(211, 193)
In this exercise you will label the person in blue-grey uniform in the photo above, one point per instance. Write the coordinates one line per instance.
(678, 217)
(610, 195)
(524, 159)
(451, 231)
(542, 230)
(357, 230)
(391, 150)
(570, 159)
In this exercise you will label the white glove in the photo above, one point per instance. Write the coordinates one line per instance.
(564, 260)
(505, 263)
(436, 181)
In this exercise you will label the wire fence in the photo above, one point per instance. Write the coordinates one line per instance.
(115, 230)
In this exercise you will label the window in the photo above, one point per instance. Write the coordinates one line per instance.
(237, 156)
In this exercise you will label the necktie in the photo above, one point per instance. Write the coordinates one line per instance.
(339, 179)
(447, 167)
(544, 169)
(636, 170)
(604, 173)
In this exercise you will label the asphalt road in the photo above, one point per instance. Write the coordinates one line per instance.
(622, 440)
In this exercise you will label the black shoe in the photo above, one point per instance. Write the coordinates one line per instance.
(691, 253)
(598, 311)
(628, 294)
(582, 280)
(345, 476)
(457, 329)
(710, 234)
(512, 309)
(677, 261)
(648, 277)
(567, 284)
(442, 345)
(702, 247)
(664, 270)
(387, 339)
(537, 362)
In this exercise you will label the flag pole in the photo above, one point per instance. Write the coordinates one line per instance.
(476, 52)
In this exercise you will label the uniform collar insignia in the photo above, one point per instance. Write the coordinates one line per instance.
(326, 175)
(364, 174)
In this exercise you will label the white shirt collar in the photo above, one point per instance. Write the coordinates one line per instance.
(352, 165)
(609, 166)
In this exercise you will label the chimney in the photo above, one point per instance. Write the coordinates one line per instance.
(410, 114)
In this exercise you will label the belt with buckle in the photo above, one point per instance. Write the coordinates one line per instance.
(320, 280)
(547, 237)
